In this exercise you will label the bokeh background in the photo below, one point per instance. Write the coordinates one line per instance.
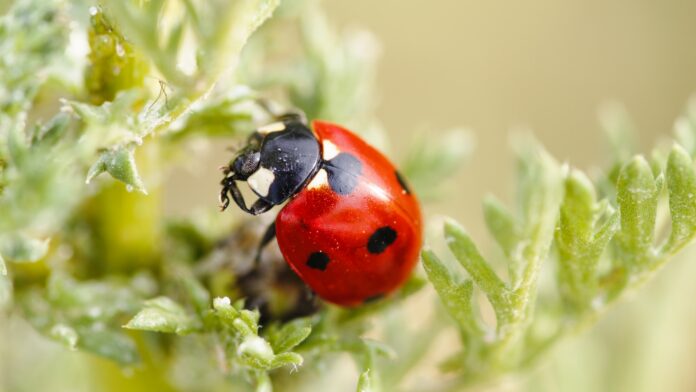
(492, 66)
(549, 67)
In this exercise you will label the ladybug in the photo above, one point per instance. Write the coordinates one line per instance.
(351, 228)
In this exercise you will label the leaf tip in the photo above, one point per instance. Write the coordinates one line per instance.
(454, 231)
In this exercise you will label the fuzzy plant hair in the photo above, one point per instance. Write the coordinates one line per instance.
(100, 101)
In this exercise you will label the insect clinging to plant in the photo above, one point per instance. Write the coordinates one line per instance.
(351, 227)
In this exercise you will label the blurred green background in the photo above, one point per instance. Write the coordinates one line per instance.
(546, 66)
(492, 66)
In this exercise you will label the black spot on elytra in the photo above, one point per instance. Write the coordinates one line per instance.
(318, 260)
(402, 182)
(343, 172)
(381, 239)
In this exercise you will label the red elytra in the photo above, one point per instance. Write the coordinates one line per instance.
(350, 248)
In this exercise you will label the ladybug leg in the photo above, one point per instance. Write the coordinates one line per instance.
(259, 207)
(224, 199)
(268, 236)
(229, 188)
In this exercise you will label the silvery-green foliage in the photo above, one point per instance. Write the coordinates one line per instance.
(604, 243)
(121, 89)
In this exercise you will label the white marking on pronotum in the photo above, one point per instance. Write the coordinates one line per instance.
(273, 127)
(329, 150)
(260, 182)
(320, 179)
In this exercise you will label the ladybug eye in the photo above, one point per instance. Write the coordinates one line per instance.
(247, 163)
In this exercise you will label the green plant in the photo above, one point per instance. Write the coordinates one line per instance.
(603, 247)
(99, 268)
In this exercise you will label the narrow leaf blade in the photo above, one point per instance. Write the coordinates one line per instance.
(161, 314)
(367, 381)
(286, 359)
(454, 293)
(501, 224)
(681, 183)
(120, 163)
(469, 257)
(290, 335)
(577, 211)
(108, 343)
(637, 198)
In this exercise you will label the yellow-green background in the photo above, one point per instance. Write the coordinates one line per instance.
(547, 66)
(490, 66)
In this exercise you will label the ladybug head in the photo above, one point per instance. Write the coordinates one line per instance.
(276, 163)
(246, 162)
